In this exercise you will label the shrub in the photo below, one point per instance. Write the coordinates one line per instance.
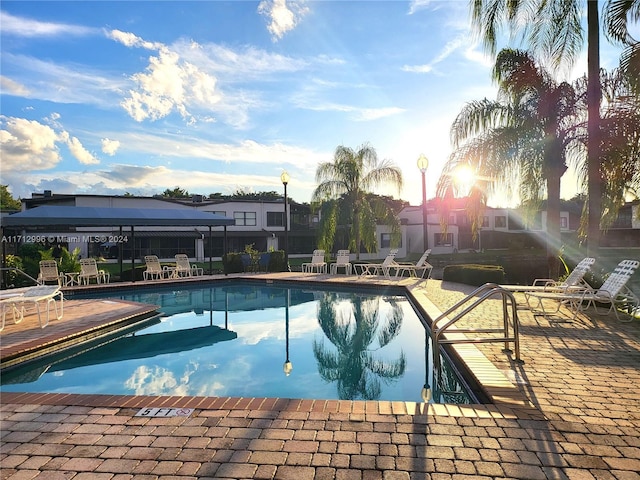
(232, 263)
(472, 274)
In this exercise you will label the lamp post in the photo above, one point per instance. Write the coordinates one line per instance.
(423, 164)
(284, 178)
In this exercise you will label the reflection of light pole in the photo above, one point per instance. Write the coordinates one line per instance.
(287, 367)
(425, 393)
(423, 164)
(285, 179)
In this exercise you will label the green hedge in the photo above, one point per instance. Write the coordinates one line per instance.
(472, 274)
(235, 262)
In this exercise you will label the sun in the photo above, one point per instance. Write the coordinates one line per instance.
(464, 177)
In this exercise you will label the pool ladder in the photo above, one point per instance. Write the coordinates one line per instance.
(470, 302)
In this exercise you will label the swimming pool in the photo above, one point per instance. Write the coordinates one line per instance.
(249, 339)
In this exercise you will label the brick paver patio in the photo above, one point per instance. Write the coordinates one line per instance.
(578, 417)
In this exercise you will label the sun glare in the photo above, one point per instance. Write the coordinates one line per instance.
(464, 177)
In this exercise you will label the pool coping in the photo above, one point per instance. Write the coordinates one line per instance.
(507, 400)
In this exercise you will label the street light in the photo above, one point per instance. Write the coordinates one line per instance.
(284, 178)
(423, 164)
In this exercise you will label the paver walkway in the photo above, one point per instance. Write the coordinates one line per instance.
(583, 379)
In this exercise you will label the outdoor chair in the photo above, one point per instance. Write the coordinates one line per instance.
(575, 281)
(413, 269)
(184, 268)
(342, 261)
(316, 264)
(49, 273)
(614, 292)
(89, 270)
(377, 268)
(36, 297)
(154, 270)
(18, 313)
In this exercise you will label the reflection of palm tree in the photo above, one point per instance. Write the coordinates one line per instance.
(353, 365)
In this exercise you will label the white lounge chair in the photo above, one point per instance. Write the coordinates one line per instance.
(36, 297)
(575, 280)
(317, 263)
(184, 267)
(342, 261)
(154, 270)
(613, 292)
(377, 268)
(89, 270)
(49, 273)
(18, 312)
(421, 266)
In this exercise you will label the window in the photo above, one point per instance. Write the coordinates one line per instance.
(275, 219)
(564, 222)
(385, 240)
(443, 240)
(485, 222)
(245, 218)
(501, 221)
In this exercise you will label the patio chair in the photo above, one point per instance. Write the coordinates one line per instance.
(89, 270)
(613, 292)
(49, 273)
(377, 268)
(36, 297)
(575, 281)
(316, 264)
(184, 267)
(18, 313)
(154, 270)
(342, 261)
(421, 267)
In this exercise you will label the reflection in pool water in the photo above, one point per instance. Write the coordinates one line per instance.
(256, 340)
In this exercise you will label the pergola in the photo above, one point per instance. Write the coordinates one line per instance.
(69, 216)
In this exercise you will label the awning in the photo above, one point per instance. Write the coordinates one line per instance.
(45, 216)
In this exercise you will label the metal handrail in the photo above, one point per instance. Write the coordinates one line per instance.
(8, 269)
(478, 296)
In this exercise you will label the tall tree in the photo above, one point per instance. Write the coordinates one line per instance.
(344, 191)
(7, 202)
(617, 14)
(554, 30)
(522, 138)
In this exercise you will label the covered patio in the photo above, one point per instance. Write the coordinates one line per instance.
(125, 219)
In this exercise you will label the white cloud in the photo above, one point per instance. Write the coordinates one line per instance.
(168, 85)
(110, 147)
(79, 152)
(57, 83)
(27, 145)
(25, 27)
(11, 87)
(283, 16)
(416, 5)
(129, 39)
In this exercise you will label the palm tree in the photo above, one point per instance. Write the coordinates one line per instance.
(553, 28)
(619, 140)
(617, 14)
(522, 138)
(352, 365)
(344, 191)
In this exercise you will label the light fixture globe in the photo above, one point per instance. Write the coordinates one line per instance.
(423, 163)
(284, 177)
(287, 367)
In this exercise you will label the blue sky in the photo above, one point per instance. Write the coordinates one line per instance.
(213, 96)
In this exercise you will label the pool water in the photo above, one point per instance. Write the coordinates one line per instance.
(255, 340)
